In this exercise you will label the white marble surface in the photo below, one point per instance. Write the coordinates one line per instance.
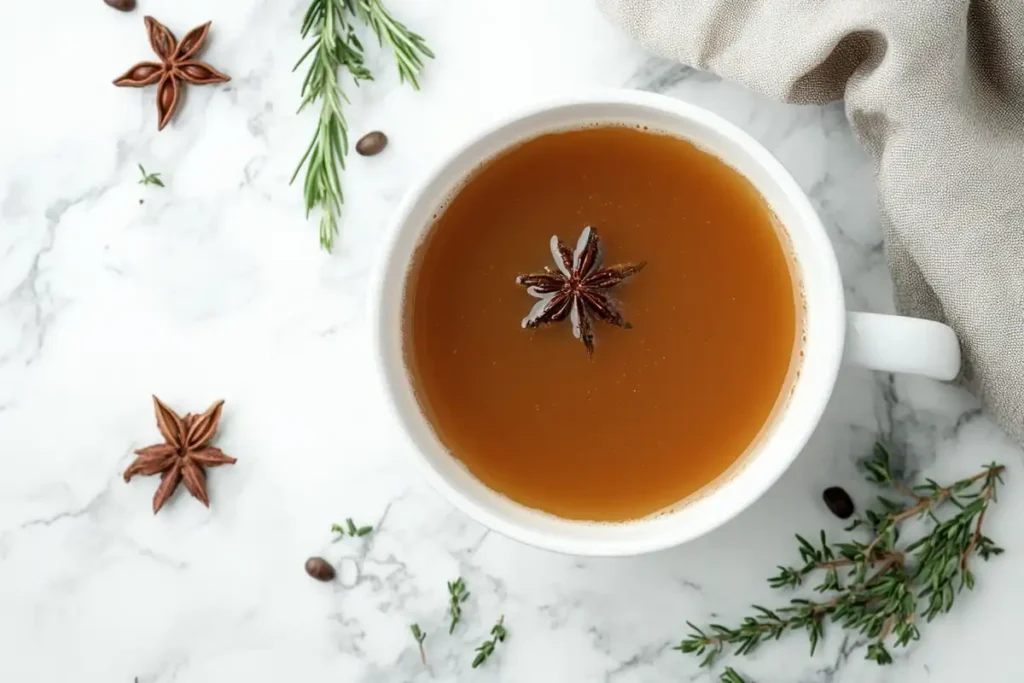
(215, 287)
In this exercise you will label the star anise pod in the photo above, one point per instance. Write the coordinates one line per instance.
(175, 65)
(578, 289)
(183, 455)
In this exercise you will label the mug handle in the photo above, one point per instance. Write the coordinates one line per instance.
(893, 343)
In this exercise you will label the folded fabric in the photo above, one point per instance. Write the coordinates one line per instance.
(934, 91)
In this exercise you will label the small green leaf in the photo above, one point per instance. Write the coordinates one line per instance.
(150, 178)
(419, 636)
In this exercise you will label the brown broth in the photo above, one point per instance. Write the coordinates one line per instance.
(662, 409)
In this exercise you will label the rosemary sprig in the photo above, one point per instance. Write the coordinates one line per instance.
(420, 636)
(457, 595)
(335, 47)
(879, 588)
(150, 178)
(409, 48)
(486, 648)
(351, 529)
(730, 676)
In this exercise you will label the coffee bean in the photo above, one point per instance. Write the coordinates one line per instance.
(320, 569)
(372, 143)
(123, 5)
(838, 501)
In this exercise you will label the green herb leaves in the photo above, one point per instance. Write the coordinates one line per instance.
(420, 636)
(351, 529)
(335, 47)
(408, 48)
(457, 594)
(730, 676)
(875, 587)
(150, 178)
(486, 648)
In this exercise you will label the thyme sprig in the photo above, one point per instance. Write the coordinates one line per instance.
(879, 587)
(350, 528)
(457, 594)
(486, 648)
(150, 178)
(336, 47)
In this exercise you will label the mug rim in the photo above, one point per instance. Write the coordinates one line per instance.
(586, 538)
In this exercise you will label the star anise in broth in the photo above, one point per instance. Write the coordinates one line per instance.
(578, 289)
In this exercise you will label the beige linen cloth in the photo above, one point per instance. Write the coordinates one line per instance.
(934, 91)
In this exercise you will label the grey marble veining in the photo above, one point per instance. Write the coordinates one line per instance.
(214, 287)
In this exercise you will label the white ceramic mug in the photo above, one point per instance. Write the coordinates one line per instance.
(880, 342)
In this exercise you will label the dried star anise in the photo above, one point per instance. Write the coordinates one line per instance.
(579, 288)
(183, 455)
(175, 65)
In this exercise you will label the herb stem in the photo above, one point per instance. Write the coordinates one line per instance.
(909, 492)
(885, 557)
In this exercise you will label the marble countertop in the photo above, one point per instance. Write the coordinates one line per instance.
(215, 287)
